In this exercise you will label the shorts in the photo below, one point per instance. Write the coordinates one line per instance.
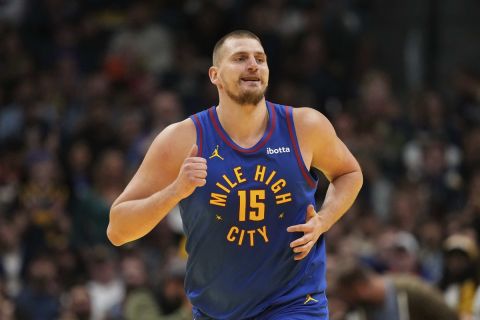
(310, 307)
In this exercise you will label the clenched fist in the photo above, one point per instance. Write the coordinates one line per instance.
(193, 174)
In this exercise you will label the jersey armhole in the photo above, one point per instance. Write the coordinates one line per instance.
(198, 128)
(311, 178)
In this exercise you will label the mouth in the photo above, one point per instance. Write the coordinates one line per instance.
(250, 80)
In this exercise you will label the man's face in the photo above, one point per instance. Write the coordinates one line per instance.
(353, 294)
(458, 264)
(242, 70)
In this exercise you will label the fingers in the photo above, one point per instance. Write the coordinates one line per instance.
(306, 247)
(304, 227)
(196, 171)
(302, 246)
(300, 228)
(193, 150)
(198, 178)
(202, 182)
(301, 241)
(195, 160)
(300, 256)
(193, 173)
(199, 182)
(310, 212)
(193, 157)
(194, 165)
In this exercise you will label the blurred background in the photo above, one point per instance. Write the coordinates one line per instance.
(86, 85)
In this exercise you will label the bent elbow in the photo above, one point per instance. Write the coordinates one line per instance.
(113, 235)
(360, 178)
(114, 238)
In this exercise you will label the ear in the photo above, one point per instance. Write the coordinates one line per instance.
(213, 74)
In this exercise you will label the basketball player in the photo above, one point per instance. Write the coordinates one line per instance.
(240, 172)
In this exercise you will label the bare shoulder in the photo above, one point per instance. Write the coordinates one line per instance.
(311, 124)
(176, 139)
(162, 161)
(319, 143)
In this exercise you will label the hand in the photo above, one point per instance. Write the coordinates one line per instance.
(312, 230)
(193, 174)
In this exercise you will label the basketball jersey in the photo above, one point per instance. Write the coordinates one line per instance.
(239, 256)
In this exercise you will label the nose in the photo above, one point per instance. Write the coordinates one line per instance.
(252, 64)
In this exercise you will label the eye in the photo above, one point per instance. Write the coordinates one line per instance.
(240, 58)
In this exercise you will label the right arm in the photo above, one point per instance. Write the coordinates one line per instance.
(169, 173)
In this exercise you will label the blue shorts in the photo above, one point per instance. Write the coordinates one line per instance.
(310, 307)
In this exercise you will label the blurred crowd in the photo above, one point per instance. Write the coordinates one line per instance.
(86, 85)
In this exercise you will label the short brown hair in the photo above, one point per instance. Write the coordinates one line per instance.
(350, 272)
(234, 34)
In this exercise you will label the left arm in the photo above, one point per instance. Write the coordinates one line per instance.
(322, 149)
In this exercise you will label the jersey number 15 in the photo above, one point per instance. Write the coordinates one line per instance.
(256, 210)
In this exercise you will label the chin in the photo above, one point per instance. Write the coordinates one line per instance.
(248, 97)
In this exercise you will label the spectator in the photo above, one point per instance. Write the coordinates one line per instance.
(90, 212)
(78, 304)
(174, 301)
(139, 302)
(6, 306)
(79, 79)
(40, 297)
(12, 258)
(431, 237)
(461, 280)
(142, 43)
(392, 297)
(106, 288)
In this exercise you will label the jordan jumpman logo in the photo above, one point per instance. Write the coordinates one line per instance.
(215, 153)
(309, 298)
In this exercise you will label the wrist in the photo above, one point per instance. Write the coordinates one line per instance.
(323, 221)
(174, 192)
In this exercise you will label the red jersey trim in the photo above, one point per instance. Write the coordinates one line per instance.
(266, 136)
(296, 148)
(198, 125)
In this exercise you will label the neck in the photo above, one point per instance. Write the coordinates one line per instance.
(245, 124)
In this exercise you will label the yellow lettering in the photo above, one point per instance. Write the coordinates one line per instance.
(238, 174)
(255, 196)
(251, 233)
(237, 235)
(270, 177)
(221, 186)
(283, 198)
(230, 183)
(263, 232)
(230, 236)
(242, 194)
(218, 199)
(260, 173)
(277, 186)
(240, 241)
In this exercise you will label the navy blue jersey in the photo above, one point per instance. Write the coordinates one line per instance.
(239, 256)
